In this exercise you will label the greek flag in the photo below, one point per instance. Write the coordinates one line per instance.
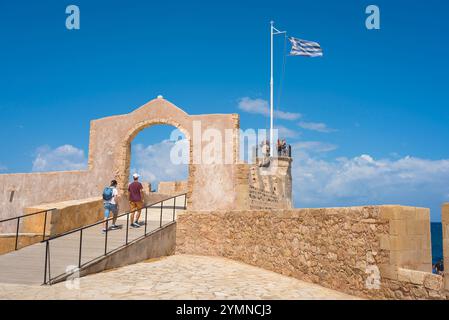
(305, 48)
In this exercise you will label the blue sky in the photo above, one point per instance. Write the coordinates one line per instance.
(373, 125)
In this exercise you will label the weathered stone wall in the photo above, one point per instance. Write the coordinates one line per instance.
(68, 215)
(271, 188)
(260, 199)
(445, 225)
(353, 250)
(409, 239)
(8, 241)
(37, 188)
(172, 187)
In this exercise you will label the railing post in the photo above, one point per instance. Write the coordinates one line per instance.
(127, 227)
(49, 263)
(45, 265)
(106, 238)
(174, 208)
(185, 201)
(162, 204)
(45, 226)
(81, 245)
(17, 233)
(146, 215)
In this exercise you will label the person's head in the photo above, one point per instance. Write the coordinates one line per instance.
(136, 176)
(114, 183)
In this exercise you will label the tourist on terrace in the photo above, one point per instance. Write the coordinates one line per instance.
(438, 268)
(284, 147)
(279, 145)
(136, 197)
(110, 195)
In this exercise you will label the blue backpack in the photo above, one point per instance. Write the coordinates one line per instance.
(108, 193)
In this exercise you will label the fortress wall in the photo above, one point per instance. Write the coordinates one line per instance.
(67, 216)
(258, 188)
(358, 250)
(37, 188)
(259, 199)
(172, 187)
(445, 225)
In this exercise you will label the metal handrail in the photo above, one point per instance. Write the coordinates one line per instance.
(16, 244)
(81, 229)
(109, 219)
(26, 215)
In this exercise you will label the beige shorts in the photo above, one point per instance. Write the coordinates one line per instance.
(135, 206)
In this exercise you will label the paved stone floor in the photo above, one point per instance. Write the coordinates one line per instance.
(178, 277)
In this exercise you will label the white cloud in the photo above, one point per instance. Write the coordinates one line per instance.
(154, 162)
(316, 126)
(284, 132)
(66, 157)
(260, 106)
(312, 147)
(364, 180)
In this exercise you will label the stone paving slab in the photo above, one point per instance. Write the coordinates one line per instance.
(179, 277)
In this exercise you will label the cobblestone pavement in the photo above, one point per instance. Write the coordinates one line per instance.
(178, 277)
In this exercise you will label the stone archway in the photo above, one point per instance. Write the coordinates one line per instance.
(208, 186)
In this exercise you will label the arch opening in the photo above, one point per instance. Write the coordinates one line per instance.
(160, 155)
(159, 151)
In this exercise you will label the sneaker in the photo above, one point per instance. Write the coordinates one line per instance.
(114, 227)
(104, 230)
(135, 225)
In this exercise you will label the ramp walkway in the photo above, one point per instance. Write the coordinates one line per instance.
(55, 258)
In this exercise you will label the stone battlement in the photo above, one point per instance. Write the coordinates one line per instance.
(381, 252)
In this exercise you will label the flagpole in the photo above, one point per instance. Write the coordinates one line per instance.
(271, 93)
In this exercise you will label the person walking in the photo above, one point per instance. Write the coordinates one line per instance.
(110, 195)
(136, 197)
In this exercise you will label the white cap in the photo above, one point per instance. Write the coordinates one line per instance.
(135, 176)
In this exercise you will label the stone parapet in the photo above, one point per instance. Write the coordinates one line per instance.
(66, 216)
(352, 250)
(445, 226)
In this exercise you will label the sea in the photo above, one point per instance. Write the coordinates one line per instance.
(436, 232)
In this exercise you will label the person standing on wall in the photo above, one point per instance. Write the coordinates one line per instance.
(110, 195)
(136, 197)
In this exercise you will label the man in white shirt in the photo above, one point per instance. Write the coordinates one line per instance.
(110, 195)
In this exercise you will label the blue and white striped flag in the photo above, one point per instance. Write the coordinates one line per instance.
(305, 48)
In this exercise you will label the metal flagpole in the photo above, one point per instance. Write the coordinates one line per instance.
(273, 31)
